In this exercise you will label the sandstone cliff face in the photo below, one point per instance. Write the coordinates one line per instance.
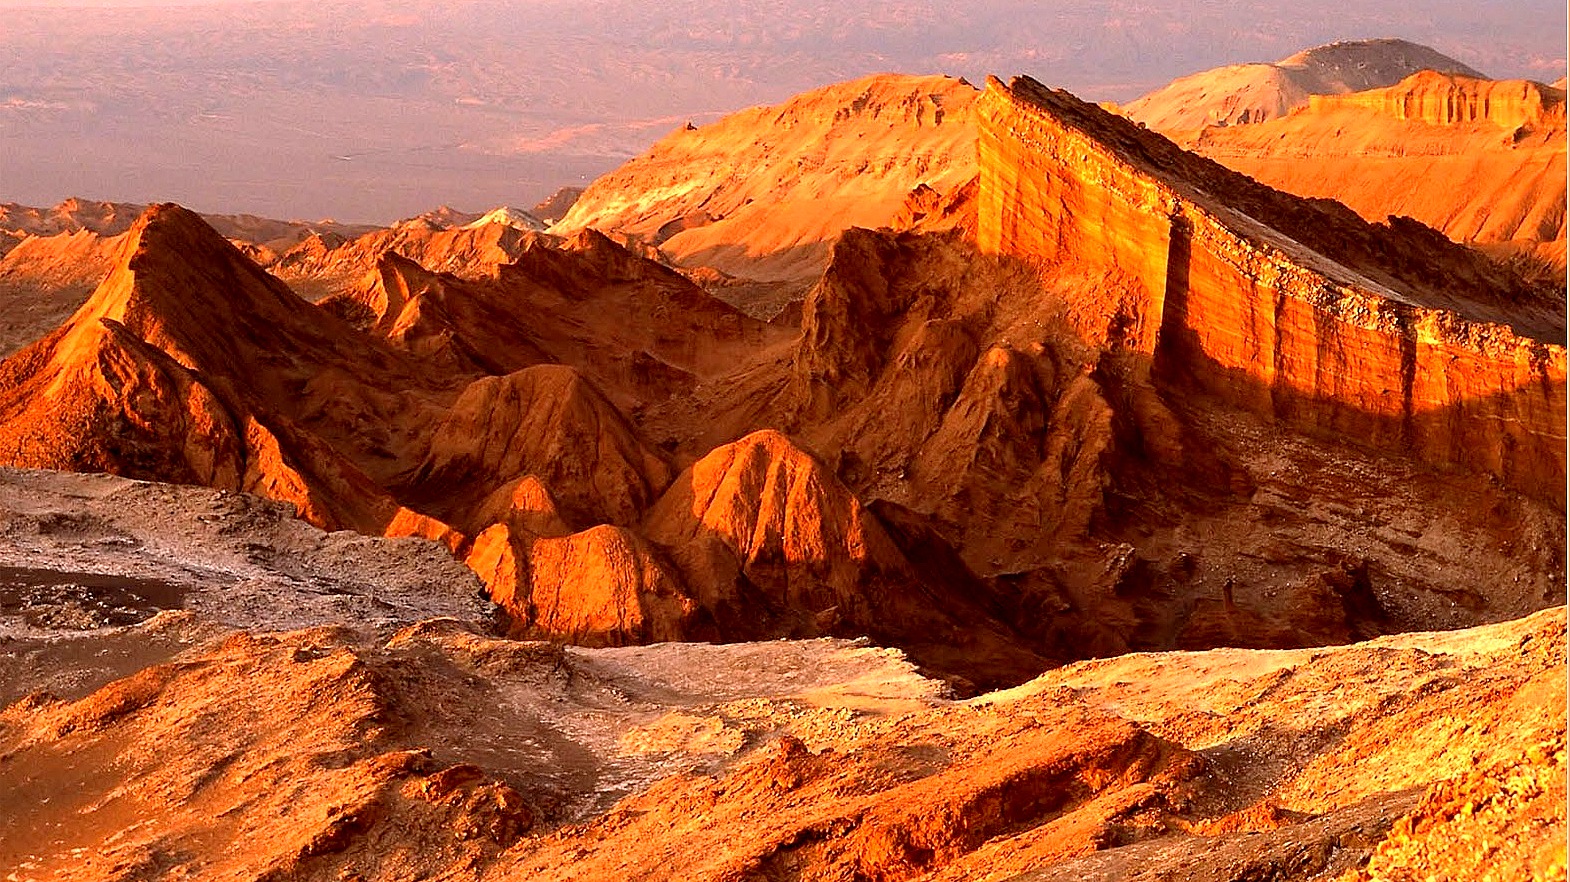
(962, 397)
(1230, 287)
(1447, 100)
(1482, 161)
(762, 193)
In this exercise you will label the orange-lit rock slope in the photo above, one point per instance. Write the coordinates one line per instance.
(191, 364)
(762, 193)
(1295, 309)
(1482, 161)
(1098, 437)
(1243, 94)
(328, 263)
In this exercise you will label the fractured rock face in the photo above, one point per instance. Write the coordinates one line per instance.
(1288, 307)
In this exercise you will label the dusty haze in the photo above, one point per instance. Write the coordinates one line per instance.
(375, 109)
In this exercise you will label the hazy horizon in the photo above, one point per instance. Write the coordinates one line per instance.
(368, 110)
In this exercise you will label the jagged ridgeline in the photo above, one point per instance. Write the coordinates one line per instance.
(1088, 394)
(958, 389)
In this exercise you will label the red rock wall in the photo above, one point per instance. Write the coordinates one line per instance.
(1233, 307)
(1442, 100)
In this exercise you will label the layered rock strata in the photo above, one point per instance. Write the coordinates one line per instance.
(1290, 308)
(1482, 161)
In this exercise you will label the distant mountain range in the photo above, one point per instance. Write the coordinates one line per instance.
(369, 110)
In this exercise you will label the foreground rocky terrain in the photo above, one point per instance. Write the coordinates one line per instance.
(369, 743)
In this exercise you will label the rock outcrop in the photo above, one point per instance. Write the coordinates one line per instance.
(323, 753)
(1440, 99)
(547, 422)
(604, 586)
(639, 330)
(147, 380)
(1482, 161)
(1159, 407)
(772, 544)
(1291, 308)
(555, 206)
(1243, 94)
(763, 193)
(325, 265)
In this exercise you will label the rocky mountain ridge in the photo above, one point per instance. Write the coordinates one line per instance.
(959, 567)
(1235, 282)
(999, 421)
(762, 193)
(1244, 94)
(1482, 161)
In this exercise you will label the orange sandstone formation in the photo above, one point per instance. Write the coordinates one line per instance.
(1291, 308)
(1482, 161)
(763, 193)
(1244, 94)
(1169, 408)
(189, 363)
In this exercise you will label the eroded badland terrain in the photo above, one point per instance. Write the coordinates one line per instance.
(908, 481)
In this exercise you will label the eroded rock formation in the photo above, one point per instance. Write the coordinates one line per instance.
(323, 753)
(1482, 161)
(763, 193)
(1160, 406)
(1288, 307)
(1245, 94)
(145, 380)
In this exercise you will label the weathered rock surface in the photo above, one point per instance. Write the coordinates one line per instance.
(146, 380)
(1241, 94)
(547, 422)
(1482, 161)
(605, 586)
(51, 259)
(772, 544)
(1104, 396)
(326, 753)
(1113, 513)
(101, 576)
(1292, 308)
(327, 264)
(1095, 437)
(764, 192)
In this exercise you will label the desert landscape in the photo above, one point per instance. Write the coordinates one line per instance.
(917, 478)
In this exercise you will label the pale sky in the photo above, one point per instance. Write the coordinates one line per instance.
(373, 109)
